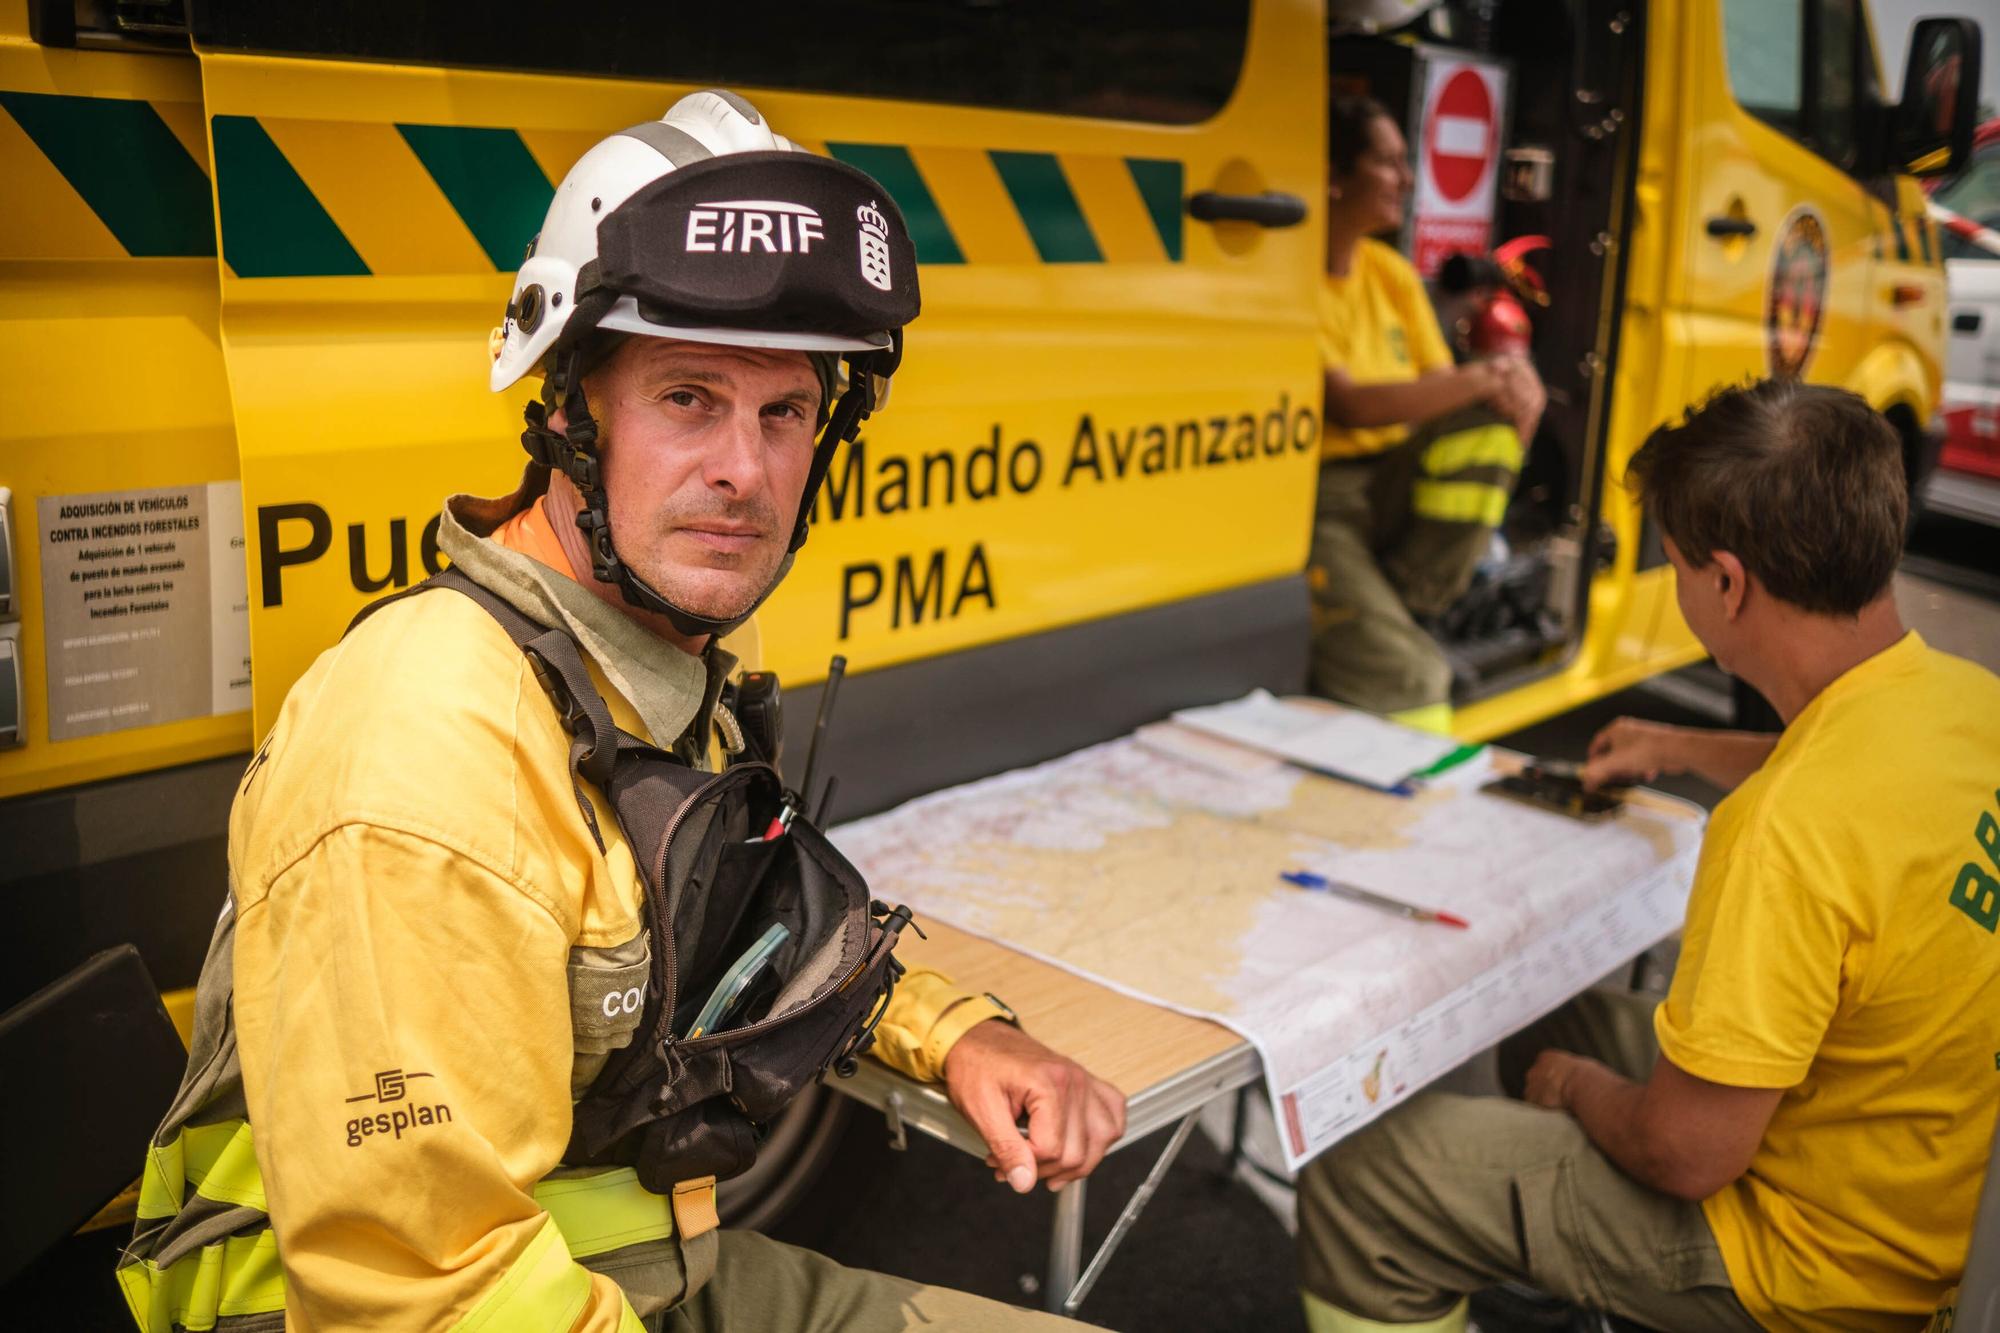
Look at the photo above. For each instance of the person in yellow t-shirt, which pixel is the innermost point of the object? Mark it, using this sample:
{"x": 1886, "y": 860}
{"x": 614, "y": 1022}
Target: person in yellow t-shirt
{"x": 1419, "y": 455}
{"x": 1797, "y": 1137}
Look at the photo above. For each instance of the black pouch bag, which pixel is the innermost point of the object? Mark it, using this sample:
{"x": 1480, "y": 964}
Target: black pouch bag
{"x": 677, "y": 1108}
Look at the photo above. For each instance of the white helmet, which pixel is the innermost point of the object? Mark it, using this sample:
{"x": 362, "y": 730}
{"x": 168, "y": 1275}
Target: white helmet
{"x": 707, "y": 226}
{"x": 700, "y": 127}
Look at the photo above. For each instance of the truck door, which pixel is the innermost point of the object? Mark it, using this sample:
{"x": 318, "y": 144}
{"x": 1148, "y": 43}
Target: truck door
{"x": 1107, "y": 403}
{"x": 1779, "y": 236}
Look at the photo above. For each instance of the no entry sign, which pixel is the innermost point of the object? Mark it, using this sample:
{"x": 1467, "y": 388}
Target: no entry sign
{"x": 1458, "y": 159}
{"x": 1462, "y": 136}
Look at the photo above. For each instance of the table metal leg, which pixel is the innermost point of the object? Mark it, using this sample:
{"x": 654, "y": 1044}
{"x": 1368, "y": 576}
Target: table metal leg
{"x": 1238, "y": 1130}
{"x": 1070, "y": 1297}
{"x": 1065, "y": 1247}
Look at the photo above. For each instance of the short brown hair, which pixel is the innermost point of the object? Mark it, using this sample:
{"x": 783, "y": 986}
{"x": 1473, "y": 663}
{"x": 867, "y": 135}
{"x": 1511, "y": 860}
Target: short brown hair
{"x": 1349, "y": 120}
{"x": 1801, "y": 482}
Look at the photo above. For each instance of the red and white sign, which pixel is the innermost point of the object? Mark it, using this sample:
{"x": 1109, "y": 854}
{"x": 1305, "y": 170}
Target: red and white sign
{"x": 1458, "y": 160}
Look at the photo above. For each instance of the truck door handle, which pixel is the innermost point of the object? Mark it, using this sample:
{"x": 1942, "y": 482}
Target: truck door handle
{"x": 1273, "y": 208}
{"x": 1731, "y": 226}
{"x": 1965, "y": 321}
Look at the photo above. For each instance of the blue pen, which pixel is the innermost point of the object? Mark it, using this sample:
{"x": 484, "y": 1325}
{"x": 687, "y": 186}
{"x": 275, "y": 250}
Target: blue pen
{"x": 1306, "y": 879}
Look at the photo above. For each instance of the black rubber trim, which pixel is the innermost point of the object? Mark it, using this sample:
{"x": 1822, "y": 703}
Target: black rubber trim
{"x": 905, "y": 730}
{"x": 139, "y": 860}
{"x": 92, "y": 1062}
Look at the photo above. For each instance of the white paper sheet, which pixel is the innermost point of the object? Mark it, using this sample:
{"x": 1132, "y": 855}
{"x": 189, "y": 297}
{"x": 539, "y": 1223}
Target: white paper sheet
{"x": 1339, "y": 741}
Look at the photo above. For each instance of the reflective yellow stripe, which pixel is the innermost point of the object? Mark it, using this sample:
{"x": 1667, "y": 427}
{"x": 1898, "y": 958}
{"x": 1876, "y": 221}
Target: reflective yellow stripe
{"x": 185, "y": 120}
{"x": 352, "y": 168}
{"x": 545, "y": 1288}
{"x": 603, "y": 1212}
{"x": 218, "y": 1160}
{"x": 555, "y": 152}
{"x": 161, "y": 1187}
{"x": 588, "y": 1215}
{"x": 222, "y": 1164}
{"x": 968, "y": 190}
{"x": 1459, "y": 502}
{"x": 1434, "y": 718}
{"x": 49, "y": 219}
{"x": 235, "y": 1275}
{"x": 1117, "y": 215}
{"x": 1494, "y": 445}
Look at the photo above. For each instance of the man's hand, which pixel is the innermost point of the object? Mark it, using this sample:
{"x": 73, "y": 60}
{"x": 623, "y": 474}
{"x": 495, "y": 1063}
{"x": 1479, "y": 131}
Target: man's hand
{"x": 997, "y": 1073}
{"x": 1630, "y": 751}
{"x": 1547, "y": 1084}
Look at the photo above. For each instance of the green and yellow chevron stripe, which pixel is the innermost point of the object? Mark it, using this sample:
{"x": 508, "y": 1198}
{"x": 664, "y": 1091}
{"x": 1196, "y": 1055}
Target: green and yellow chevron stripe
{"x": 302, "y": 198}
{"x": 103, "y": 178}
{"x": 115, "y": 177}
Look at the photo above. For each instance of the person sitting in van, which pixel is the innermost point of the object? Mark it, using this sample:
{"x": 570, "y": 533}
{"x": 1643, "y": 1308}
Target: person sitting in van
{"x": 1418, "y": 455}
{"x": 1793, "y": 1139}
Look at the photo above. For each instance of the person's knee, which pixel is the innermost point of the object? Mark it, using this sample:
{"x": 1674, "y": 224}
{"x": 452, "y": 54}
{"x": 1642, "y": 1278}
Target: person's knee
{"x": 1366, "y": 1206}
{"x": 1378, "y": 1168}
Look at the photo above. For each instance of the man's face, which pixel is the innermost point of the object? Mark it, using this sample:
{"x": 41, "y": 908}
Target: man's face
{"x": 706, "y": 454}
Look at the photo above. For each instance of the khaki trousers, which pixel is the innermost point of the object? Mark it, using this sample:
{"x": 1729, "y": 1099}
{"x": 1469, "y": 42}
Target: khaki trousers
{"x": 1397, "y": 533}
{"x": 1448, "y": 1195}
{"x": 762, "y": 1286}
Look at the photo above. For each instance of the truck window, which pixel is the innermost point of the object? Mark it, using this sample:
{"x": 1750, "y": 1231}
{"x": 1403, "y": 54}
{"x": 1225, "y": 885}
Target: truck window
{"x": 1803, "y": 68}
{"x": 1834, "y": 106}
{"x": 1973, "y": 193}
{"x": 1766, "y": 59}
{"x": 1114, "y": 59}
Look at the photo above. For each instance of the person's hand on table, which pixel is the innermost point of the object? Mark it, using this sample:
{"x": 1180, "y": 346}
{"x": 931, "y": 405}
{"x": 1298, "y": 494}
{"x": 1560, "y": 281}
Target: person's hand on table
{"x": 996, "y": 1073}
{"x": 1629, "y": 751}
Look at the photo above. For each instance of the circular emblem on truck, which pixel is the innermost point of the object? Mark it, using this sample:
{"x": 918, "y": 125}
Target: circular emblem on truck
{"x": 1795, "y": 307}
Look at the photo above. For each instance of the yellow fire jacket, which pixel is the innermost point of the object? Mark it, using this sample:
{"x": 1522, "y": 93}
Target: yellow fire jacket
{"x": 426, "y": 957}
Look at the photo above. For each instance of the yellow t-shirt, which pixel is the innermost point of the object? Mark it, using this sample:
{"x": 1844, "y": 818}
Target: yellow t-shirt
{"x": 1840, "y": 944}
{"x": 1377, "y": 325}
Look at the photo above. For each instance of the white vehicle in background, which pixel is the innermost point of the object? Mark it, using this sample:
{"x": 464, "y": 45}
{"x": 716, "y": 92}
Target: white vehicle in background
{"x": 1967, "y": 208}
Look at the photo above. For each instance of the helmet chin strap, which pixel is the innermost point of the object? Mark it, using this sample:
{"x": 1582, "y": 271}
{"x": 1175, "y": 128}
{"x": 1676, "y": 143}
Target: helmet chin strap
{"x": 575, "y": 452}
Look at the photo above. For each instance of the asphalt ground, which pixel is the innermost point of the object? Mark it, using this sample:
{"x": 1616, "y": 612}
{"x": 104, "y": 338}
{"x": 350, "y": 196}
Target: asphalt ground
{"x": 1213, "y": 1250}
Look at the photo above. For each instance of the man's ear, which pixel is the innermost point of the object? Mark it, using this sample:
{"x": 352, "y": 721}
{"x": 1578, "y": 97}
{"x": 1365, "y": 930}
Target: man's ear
{"x": 1733, "y": 582}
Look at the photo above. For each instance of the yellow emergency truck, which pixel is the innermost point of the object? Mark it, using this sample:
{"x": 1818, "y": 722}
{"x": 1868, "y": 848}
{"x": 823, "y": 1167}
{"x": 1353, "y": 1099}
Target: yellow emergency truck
{"x": 251, "y": 254}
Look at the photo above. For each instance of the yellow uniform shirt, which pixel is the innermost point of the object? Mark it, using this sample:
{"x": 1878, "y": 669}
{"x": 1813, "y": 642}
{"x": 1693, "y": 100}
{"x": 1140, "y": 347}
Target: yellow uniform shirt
{"x": 1837, "y": 947}
{"x": 415, "y": 885}
{"x": 1376, "y": 325}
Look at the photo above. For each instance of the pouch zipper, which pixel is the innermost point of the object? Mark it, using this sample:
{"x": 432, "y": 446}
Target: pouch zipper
{"x": 833, "y": 988}
{"x": 672, "y": 1002}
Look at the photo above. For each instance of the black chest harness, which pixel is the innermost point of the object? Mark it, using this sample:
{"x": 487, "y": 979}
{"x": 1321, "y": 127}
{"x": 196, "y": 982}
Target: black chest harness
{"x": 677, "y": 1103}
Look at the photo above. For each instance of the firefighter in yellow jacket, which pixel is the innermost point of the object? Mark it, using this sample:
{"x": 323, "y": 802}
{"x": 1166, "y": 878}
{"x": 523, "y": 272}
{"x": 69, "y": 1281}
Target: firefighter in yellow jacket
{"x": 436, "y": 937}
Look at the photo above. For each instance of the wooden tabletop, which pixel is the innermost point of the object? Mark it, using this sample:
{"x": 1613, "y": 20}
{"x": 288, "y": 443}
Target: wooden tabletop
{"x": 1132, "y": 1044}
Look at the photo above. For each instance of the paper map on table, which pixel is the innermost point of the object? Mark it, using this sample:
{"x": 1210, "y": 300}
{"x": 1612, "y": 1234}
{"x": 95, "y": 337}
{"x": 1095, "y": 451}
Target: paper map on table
{"x": 1136, "y": 866}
